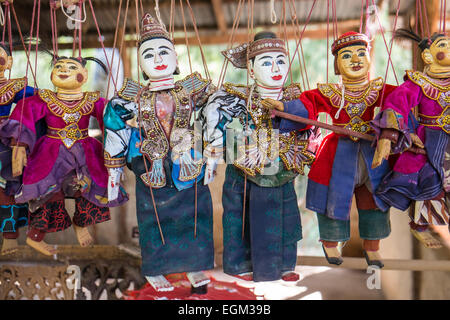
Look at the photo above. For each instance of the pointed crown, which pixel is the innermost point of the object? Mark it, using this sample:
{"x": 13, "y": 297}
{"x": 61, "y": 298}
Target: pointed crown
{"x": 151, "y": 28}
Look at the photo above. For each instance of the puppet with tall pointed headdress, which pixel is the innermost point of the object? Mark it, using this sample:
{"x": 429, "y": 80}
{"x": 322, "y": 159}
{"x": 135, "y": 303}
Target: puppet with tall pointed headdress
{"x": 173, "y": 207}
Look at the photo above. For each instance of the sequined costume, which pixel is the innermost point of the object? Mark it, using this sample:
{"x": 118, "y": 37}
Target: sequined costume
{"x": 164, "y": 152}
{"x": 278, "y": 150}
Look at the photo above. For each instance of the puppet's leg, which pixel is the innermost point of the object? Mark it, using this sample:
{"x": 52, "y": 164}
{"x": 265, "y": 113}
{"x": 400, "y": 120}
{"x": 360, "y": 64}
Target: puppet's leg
{"x": 50, "y": 217}
{"x": 87, "y": 213}
{"x": 332, "y": 232}
{"x": 419, "y": 225}
{"x": 10, "y": 244}
{"x": 159, "y": 283}
{"x": 237, "y": 259}
{"x": 199, "y": 281}
{"x": 12, "y": 217}
{"x": 374, "y": 225}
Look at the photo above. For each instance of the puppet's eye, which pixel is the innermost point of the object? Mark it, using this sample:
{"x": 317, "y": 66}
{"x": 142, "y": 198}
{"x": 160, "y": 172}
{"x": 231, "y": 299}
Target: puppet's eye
{"x": 148, "y": 56}
{"x": 266, "y": 64}
{"x": 346, "y": 56}
{"x": 281, "y": 61}
{"x": 362, "y": 54}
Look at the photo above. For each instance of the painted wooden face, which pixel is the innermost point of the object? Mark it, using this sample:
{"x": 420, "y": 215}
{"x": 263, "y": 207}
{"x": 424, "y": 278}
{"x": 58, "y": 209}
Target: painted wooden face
{"x": 5, "y": 60}
{"x": 69, "y": 74}
{"x": 270, "y": 69}
{"x": 353, "y": 62}
{"x": 158, "y": 58}
{"x": 437, "y": 57}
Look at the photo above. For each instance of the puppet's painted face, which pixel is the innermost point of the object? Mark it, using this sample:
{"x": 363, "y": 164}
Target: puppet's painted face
{"x": 353, "y": 62}
{"x": 158, "y": 58}
{"x": 69, "y": 74}
{"x": 270, "y": 69}
{"x": 5, "y": 60}
{"x": 437, "y": 57}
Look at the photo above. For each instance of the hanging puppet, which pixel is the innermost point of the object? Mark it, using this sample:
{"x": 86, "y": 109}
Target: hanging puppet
{"x": 174, "y": 208}
{"x": 261, "y": 219}
{"x": 12, "y": 215}
{"x": 419, "y": 177}
{"x": 343, "y": 166}
{"x": 66, "y": 162}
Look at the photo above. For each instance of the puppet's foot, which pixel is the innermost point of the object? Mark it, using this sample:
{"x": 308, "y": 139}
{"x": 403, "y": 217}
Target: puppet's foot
{"x": 42, "y": 247}
{"x": 159, "y": 283}
{"x": 332, "y": 255}
{"x": 247, "y": 276}
{"x": 427, "y": 239}
{"x": 290, "y": 276}
{"x": 373, "y": 258}
{"x": 9, "y": 246}
{"x": 198, "y": 279}
{"x": 84, "y": 237}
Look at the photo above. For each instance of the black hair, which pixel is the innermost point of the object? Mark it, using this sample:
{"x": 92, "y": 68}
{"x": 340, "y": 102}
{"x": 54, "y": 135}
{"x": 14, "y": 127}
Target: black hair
{"x": 177, "y": 70}
{"x": 81, "y": 60}
{"x": 263, "y": 35}
{"x": 409, "y": 34}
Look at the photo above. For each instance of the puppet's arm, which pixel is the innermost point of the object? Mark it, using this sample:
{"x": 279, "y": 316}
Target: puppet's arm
{"x": 216, "y": 116}
{"x": 117, "y": 136}
{"x": 391, "y": 124}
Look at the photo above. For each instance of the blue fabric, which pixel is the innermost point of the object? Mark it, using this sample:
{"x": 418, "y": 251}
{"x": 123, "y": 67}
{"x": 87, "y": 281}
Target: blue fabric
{"x": 373, "y": 225}
{"x": 272, "y": 228}
{"x": 181, "y": 185}
{"x": 335, "y": 200}
{"x": 398, "y": 189}
{"x": 13, "y": 217}
{"x": 182, "y": 252}
{"x": 297, "y": 108}
{"x": 6, "y": 108}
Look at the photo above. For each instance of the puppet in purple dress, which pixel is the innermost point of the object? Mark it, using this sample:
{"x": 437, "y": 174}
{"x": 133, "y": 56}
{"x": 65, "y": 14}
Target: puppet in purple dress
{"x": 417, "y": 177}
{"x": 66, "y": 162}
{"x": 12, "y": 215}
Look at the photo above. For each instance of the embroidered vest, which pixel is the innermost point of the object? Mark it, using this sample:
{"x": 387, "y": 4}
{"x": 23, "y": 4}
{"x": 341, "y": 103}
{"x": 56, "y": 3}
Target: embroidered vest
{"x": 70, "y": 114}
{"x": 356, "y": 103}
{"x": 155, "y": 147}
{"x": 437, "y": 90}
{"x": 264, "y": 145}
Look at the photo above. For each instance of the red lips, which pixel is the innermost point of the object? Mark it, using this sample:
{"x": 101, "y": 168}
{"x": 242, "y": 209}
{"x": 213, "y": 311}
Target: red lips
{"x": 278, "y": 77}
{"x": 356, "y": 68}
{"x": 161, "y": 67}
{"x": 63, "y": 76}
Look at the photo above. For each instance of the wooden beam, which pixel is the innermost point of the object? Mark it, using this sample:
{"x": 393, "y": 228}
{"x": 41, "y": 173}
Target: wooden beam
{"x": 219, "y": 15}
{"x": 389, "y": 264}
{"x": 313, "y": 31}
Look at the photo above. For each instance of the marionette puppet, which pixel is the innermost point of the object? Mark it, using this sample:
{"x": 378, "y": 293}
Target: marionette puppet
{"x": 343, "y": 165}
{"x": 264, "y": 154}
{"x": 66, "y": 162}
{"x": 12, "y": 215}
{"x": 419, "y": 177}
{"x": 151, "y": 129}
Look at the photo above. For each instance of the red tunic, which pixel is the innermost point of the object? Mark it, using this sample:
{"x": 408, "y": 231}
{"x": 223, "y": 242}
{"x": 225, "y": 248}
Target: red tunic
{"x": 358, "y": 110}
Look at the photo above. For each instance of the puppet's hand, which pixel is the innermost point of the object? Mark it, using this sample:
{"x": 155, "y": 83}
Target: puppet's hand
{"x": 210, "y": 170}
{"x": 19, "y": 160}
{"x": 272, "y": 104}
{"x": 114, "y": 175}
{"x": 382, "y": 152}
{"x": 416, "y": 141}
